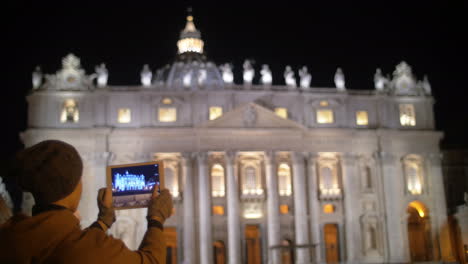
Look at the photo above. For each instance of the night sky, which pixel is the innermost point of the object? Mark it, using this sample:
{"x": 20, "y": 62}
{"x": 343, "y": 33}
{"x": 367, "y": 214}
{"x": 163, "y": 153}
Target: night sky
{"x": 323, "y": 35}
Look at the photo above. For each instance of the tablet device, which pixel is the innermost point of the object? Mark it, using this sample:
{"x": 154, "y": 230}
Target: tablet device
{"x": 132, "y": 184}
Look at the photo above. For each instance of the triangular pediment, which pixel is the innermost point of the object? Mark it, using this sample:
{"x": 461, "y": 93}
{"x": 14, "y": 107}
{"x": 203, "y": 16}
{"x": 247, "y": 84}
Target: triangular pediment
{"x": 251, "y": 115}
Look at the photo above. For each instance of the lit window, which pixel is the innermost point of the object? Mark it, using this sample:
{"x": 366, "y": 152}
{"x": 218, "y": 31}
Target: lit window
{"x": 362, "y": 118}
{"x": 323, "y": 103}
{"x": 414, "y": 174}
{"x": 284, "y": 180}
{"x": 328, "y": 184}
{"x": 218, "y": 210}
{"x": 251, "y": 182}
{"x": 70, "y": 113}
{"x": 329, "y": 209}
{"x": 171, "y": 181}
{"x": 167, "y": 101}
{"x": 284, "y": 209}
{"x": 215, "y": 112}
{"x": 407, "y": 115}
{"x": 124, "y": 115}
{"x": 281, "y": 112}
{"x": 324, "y": 116}
{"x": 217, "y": 179}
{"x": 167, "y": 114}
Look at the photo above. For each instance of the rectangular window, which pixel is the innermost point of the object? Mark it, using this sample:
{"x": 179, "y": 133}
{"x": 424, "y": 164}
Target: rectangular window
{"x": 362, "y": 118}
{"x": 218, "y": 210}
{"x": 281, "y": 112}
{"x": 284, "y": 209}
{"x": 324, "y": 116}
{"x": 70, "y": 113}
{"x": 215, "y": 112}
{"x": 407, "y": 115}
{"x": 124, "y": 115}
{"x": 167, "y": 114}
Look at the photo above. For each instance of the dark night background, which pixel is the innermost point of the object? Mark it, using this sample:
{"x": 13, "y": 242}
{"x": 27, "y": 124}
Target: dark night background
{"x": 357, "y": 36}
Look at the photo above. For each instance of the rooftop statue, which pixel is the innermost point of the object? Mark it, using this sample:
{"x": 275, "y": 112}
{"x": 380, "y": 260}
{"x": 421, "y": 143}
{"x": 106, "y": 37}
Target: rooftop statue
{"x": 426, "y": 85}
{"x": 380, "y": 82}
{"x": 187, "y": 80}
{"x": 266, "y": 78}
{"x": 305, "y": 78}
{"x": 201, "y": 76}
{"x": 226, "y": 71}
{"x": 102, "y": 75}
{"x": 340, "y": 80}
{"x": 146, "y": 75}
{"x": 37, "y": 78}
{"x": 289, "y": 78}
{"x": 249, "y": 72}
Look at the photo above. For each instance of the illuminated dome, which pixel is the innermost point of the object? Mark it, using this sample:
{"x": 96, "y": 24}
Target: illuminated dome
{"x": 191, "y": 70}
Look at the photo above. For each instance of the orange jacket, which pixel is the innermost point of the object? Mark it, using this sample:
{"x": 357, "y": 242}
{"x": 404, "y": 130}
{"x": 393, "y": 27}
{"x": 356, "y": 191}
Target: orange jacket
{"x": 55, "y": 237}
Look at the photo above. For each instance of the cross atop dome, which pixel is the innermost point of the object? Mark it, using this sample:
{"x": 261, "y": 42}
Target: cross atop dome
{"x": 190, "y": 38}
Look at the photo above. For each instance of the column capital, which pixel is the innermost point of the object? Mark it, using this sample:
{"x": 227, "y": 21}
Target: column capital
{"x": 349, "y": 158}
{"x": 230, "y": 156}
{"x": 202, "y": 156}
{"x": 297, "y": 157}
{"x": 186, "y": 158}
{"x": 311, "y": 156}
{"x": 270, "y": 156}
{"x": 385, "y": 156}
{"x": 437, "y": 157}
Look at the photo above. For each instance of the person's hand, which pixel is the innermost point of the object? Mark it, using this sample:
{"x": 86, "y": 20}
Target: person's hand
{"x": 106, "y": 207}
{"x": 160, "y": 206}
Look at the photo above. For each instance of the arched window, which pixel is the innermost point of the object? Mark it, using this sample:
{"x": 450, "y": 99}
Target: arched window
{"x": 217, "y": 180}
{"x": 70, "y": 113}
{"x": 414, "y": 174}
{"x": 328, "y": 183}
{"x": 251, "y": 181}
{"x": 284, "y": 179}
{"x": 171, "y": 181}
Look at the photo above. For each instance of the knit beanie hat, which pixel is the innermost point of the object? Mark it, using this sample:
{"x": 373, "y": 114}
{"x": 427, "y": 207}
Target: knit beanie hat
{"x": 50, "y": 170}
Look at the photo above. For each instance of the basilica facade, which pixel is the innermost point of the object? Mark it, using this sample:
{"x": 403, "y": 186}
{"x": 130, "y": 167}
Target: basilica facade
{"x": 259, "y": 173}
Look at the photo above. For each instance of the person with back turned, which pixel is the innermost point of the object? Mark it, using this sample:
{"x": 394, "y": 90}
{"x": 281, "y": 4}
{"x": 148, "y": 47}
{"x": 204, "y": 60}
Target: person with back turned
{"x": 51, "y": 171}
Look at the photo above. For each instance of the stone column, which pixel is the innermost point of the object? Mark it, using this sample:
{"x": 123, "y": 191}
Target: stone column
{"x": 204, "y": 193}
{"x": 274, "y": 252}
{"x": 351, "y": 207}
{"x": 396, "y": 222}
{"x": 234, "y": 253}
{"x": 314, "y": 205}
{"x": 189, "y": 211}
{"x": 300, "y": 210}
{"x": 435, "y": 180}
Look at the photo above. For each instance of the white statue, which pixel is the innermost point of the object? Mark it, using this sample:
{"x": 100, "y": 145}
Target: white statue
{"x": 102, "y": 75}
{"x": 379, "y": 80}
{"x": 201, "y": 76}
{"x": 146, "y": 75}
{"x": 306, "y": 78}
{"x": 37, "y": 78}
{"x": 289, "y": 78}
{"x": 249, "y": 72}
{"x": 340, "y": 80}
{"x": 426, "y": 85}
{"x": 187, "y": 79}
{"x": 228, "y": 76}
{"x": 266, "y": 78}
